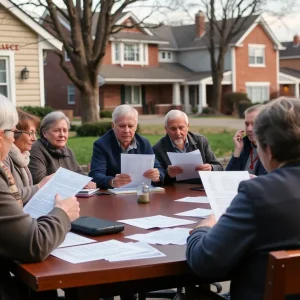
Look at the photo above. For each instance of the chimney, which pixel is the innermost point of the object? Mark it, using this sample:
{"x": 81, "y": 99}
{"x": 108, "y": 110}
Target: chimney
{"x": 296, "y": 40}
{"x": 200, "y": 24}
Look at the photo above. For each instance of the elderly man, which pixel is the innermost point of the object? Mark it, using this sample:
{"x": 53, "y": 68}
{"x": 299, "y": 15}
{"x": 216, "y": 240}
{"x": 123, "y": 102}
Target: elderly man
{"x": 122, "y": 138}
{"x": 179, "y": 139}
{"x": 245, "y": 156}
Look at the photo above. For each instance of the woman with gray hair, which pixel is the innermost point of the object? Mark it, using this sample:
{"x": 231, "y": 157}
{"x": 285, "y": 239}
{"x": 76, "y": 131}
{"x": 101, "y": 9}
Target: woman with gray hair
{"x": 50, "y": 151}
{"x": 263, "y": 217}
{"x": 23, "y": 238}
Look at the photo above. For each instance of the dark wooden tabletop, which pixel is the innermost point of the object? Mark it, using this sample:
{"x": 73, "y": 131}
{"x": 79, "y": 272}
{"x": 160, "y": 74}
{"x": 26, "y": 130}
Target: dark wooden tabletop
{"x": 54, "y": 273}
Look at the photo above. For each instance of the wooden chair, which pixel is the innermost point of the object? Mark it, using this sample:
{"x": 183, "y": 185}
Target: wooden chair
{"x": 283, "y": 275}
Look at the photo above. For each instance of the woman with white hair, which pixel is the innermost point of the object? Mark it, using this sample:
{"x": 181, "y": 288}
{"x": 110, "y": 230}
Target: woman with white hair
{"x": 23, "y": 238}
{"x": 50, "y": 151}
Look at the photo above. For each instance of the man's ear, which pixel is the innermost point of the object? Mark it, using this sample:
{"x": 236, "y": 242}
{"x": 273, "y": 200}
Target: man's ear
{"x": 112, "y": 125}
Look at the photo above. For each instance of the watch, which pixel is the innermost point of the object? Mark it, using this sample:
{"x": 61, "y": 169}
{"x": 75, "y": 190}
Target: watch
{"x": 112, "y": 182}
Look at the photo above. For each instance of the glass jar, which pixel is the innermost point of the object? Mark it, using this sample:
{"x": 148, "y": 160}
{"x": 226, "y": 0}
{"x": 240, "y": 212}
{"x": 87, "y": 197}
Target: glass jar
{"x": 143, "y": 193}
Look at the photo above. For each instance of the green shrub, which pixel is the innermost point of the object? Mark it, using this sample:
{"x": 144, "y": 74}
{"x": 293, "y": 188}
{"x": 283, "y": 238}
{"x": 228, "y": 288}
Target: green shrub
{"x": 242, "y": 106}
{"x": 73, "y": 127}
{"x": 105, "y": 114}
{"x": 37, "y": 110}
{"x": 233, "y": 99}
{"x": 93, "y": 129}
{"x": 208, "y": 111}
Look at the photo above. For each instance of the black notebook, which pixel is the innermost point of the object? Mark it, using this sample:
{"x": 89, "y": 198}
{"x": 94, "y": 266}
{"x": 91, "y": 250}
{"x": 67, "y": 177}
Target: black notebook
{"x": 94, "y": 226}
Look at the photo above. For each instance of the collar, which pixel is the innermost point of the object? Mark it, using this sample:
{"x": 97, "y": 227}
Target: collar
{"x": 178, "y": 150}
{"x": 132, "y": 145}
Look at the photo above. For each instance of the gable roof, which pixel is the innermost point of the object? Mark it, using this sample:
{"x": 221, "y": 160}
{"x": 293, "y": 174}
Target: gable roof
{"x": 290, "y": 72}
{"x": 290, "y": 51}
{"x": 31, "y": 23}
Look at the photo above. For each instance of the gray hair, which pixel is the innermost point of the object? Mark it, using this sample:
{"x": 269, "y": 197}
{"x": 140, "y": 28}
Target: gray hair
{"x": 124, "y": 110}
{"x": 174, "y": 114}
{"x": 8, "y": 114}
{"x": 51, "y": 118}
{"x": 278, "y": 126}
{"x": 257, "y": 107}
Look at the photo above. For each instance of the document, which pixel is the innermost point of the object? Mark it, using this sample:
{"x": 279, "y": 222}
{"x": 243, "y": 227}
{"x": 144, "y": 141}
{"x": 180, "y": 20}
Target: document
{"x": 136, "y": 165}
{"x": 221, "y": 187}
{"x": 196, "y": 213}
{"x": 157, "y": 221}
{"x": 174, "y": 236}
{"x": 200, "y": 199}
{"x": 133, "y": 190}
{"x": 187, "y": 162}
{"x": 64, "y": 182}
{"x": 73, "y": 239}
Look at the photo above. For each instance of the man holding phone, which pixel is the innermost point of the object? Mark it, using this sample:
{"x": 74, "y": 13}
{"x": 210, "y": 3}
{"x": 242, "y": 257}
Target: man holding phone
{"x": 245, "y": 156}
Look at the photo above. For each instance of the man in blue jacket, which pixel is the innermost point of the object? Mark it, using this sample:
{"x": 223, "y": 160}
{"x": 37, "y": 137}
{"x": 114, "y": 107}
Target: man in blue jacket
{"x": 245, "y": 156}
{"x": 122, "y": 138}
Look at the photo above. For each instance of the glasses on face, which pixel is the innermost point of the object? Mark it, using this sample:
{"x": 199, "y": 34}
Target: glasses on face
{"x": 16, "y": 131}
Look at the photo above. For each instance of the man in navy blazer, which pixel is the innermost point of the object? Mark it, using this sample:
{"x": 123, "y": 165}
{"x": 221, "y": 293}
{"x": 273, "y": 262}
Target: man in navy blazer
{"x": 245, "y": 156}
{"x": 122, "y": 138}
{"x": 263, "y": 217}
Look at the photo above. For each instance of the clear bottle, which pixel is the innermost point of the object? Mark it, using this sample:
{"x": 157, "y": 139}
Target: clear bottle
{"x": 143, "y": 193}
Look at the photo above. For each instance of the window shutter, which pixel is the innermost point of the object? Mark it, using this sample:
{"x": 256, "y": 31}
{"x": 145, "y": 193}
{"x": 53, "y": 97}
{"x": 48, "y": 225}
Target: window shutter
{"x": 122, "y": 94}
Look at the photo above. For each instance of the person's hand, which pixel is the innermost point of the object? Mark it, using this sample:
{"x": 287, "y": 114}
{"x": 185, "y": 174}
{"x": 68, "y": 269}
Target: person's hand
{"x": 69, "y": 205}
{"x": 90, "y": 185}
{"x": 205, "y": 167}
{"x": 173, "y": 171}
{"x": 121, "y": 179}
{"x": 152, "y": 174}
{"x": 252, "y": 176}
{"x": 238, "y": 142}
{"x": 209, "y": 221}
{"x": 44, "y": 181}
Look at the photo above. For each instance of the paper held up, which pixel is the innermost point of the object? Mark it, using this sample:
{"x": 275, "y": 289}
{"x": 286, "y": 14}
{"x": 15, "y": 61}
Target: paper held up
{"x": 187, "y": 162}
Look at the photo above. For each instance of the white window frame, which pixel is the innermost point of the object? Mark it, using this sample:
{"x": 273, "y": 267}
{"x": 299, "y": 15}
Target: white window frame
{"x": 257, "y": 47}
{"x": 71, "y": 94}
{"x": 166, "y": 54}
{"x": 261, "y": 85}
{"x": 132, "y": 95}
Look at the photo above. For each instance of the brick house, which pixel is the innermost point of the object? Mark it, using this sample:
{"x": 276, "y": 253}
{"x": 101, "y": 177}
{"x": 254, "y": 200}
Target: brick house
{"x": 169, "y": 67}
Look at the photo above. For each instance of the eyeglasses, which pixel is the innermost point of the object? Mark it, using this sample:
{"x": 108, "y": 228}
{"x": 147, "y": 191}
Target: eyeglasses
{"x": 16, "y": 131}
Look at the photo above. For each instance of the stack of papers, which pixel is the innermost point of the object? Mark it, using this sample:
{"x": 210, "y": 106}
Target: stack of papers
{"x": 201, "y": 199}
{"x": 86, "y": 192}
{"x": 73, "y": 239}
{"x": 196, "y": 213}
{"x": 174, "y": 236}
{"x": 156, "y": 222}
{"x": 133, "y": 190}
{"x": 111, "y": 250}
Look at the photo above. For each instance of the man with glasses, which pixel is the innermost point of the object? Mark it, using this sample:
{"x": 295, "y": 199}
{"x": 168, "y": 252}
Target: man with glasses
{"x": 179, "y": 139}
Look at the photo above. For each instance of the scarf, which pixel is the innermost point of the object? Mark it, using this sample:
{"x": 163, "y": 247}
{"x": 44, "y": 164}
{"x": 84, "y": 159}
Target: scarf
{"x": 11, "y": 184}
{"x": 57, "y": 153}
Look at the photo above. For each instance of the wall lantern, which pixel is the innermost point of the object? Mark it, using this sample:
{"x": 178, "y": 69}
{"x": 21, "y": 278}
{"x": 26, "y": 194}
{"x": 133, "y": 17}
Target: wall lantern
{"x": 25, "y": 73}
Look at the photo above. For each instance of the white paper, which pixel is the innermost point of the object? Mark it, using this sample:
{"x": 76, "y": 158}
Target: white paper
{"x": 187, "y": 162}
{"x": 136, "y": 165}
{"x": 73, "y": 239}
{"x": 157, "y": 221}
{"x": 221, "y": 187}
{"x": 133, "y": 190}
{"x": 174, "y": 236}
{"x": 196, "y": 213}
{"x": 64, "y": 182}
{"x": 200, "y": 199}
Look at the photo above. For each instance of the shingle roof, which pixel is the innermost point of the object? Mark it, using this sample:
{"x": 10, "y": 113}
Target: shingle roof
{"x": 138, "y": 36}
{"x": 291, "y": 72}
{"x": 291, "y": 50}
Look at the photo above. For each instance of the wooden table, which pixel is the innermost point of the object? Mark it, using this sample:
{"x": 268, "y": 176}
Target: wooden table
{"x": 92, "y": 279}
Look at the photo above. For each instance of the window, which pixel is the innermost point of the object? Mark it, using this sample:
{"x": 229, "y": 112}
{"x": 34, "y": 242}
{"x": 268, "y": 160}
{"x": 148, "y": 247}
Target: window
{"x": 169, "y": 55}
{"x": 258, "y": 93}
{"x": 4, "y": 76}
{"x": 133, "y": 95}
{"x": 256, "y": 55}
{"x": 117, "y": 51}
{"x": 71, "y": 94}
{"x": 163, "y": 55}
{"x": 166, "y": 56}
{"x": 131, "y": 52}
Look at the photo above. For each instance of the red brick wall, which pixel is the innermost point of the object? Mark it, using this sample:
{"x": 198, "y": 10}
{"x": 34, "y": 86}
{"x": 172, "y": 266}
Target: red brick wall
{"x": 244, "y": 73}
{"x": 290, "y": 63}
{"x": 111, "y": 96}
{"x": 153, "y": 55}
{"x": 107, "y": 59}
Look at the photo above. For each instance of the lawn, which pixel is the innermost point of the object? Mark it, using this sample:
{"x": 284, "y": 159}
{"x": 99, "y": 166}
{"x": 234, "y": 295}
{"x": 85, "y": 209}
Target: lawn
{"x": 220, "y": 142}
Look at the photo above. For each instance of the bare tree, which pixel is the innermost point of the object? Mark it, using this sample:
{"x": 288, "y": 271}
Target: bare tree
{"x": 85, "y": 46}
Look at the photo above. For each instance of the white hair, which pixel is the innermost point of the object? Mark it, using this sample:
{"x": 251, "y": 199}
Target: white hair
{"x": 124, "y": 110}
{"x": 174, "y": 114}
{"x": 8, "y": 114}
{"x": 52, "y": 118}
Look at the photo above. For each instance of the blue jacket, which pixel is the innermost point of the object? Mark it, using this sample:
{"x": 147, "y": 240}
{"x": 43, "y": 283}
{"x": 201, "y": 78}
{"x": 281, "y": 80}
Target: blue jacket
{"x": 106, "y": 159}
{"x": 263, "y": 217}
{"x": 239, "y": 163}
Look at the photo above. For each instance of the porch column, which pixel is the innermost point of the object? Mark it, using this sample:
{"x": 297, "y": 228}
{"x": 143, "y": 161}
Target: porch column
{"x": 297, "y": 90}
{"x": 202, "y": 97}
{"x": 187, "y": 106}
{"x": 176, "y": 94}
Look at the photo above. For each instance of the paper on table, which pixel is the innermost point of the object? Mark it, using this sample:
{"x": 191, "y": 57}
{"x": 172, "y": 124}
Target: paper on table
{"x": 187, "y": 162}
{"x": 157, "y": 221}
{"x": 73, "y": 239}
{"x": 133, "y": 190}
{"x": 200, "y": 199}
{"x": 197, "y": 213}
{"x": 64, "y": 182}
{"x": 221, "y": 188}
{"x": 136, "y": 165}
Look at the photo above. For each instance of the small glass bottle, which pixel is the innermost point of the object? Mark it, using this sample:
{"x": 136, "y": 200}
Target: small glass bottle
{"x": 143, "y": 193}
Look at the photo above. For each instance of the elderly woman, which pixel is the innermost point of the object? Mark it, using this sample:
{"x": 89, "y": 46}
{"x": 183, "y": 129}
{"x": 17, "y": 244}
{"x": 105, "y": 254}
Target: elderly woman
{"x": 50, "y": 151}
{"x": 263, "y": 217}
{"x": 22, "y": 238}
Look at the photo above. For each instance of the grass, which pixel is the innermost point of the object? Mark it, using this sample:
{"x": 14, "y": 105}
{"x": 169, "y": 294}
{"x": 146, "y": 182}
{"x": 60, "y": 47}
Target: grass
{"x": 220, "y": 141}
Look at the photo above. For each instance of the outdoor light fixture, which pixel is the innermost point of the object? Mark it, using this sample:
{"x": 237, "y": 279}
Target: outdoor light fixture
{"x": 25, "y": 73}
